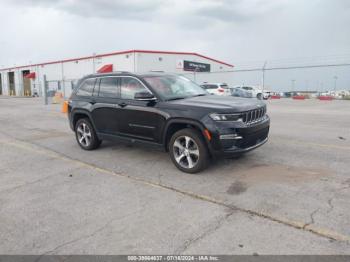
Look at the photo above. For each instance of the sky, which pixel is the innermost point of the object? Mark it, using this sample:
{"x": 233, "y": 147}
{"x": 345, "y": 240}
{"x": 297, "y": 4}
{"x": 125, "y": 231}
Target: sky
{"x": 241, "y": 32}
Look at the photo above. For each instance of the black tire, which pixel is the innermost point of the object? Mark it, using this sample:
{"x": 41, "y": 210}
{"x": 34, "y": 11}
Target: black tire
{"x": 259, "y": 96}
{"x": 91, "y": 142}
{"x": 190, "y": 149}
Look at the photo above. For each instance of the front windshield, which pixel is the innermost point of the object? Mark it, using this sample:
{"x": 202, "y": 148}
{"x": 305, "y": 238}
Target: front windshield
{"x": 171, "y": 87}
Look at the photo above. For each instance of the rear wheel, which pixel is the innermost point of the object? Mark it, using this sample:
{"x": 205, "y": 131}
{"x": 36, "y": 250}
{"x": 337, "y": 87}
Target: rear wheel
{"x": 86, "y": 135}
{"x": 188, "y": 151}
{"x": 259, "y": 96}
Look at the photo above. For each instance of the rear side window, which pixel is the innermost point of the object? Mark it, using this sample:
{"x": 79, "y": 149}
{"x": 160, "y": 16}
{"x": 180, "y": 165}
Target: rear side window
{"x": 109, "y": 87}
{"x": 87, "y": 88}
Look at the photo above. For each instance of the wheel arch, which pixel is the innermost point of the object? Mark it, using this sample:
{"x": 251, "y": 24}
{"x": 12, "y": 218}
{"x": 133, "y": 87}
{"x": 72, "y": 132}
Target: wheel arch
{"x": 79, "y": 114}
{"x": 175, "y": 125}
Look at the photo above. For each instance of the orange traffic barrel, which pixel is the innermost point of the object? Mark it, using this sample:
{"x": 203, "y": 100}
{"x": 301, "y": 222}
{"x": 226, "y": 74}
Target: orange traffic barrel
{"x": 65, "y": 107}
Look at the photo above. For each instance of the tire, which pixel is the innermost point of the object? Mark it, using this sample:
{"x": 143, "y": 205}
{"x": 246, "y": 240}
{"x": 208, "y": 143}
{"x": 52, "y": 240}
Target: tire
{"x": 259, "y": 96}
{"x": 85, "y": 135}
{"x": 188, "y": 151}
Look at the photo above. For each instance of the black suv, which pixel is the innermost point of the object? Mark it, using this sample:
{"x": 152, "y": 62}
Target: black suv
{"x": 168, "y": 111}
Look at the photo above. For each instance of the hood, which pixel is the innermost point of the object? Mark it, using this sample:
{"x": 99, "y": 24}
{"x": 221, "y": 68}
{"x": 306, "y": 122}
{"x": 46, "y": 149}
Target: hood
{"x": 226, "y": 104}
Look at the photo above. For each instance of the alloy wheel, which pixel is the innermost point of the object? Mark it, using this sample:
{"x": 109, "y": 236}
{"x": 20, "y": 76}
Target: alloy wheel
{"x": 186, "y": 152}
{"x": 84, "y": 134}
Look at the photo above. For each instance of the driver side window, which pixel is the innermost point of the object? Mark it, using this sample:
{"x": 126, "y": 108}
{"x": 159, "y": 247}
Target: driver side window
{"x": 129, "y": 87}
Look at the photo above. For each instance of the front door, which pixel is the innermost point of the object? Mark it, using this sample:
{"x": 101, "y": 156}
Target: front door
{"x": 138, "y": 119}
{"x": 104, "y": 110}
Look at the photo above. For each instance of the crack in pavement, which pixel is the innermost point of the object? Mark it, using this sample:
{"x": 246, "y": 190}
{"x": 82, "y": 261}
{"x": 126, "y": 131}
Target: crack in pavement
{"x": 210, "y": 229}
{"x": 9, "y": 190}
{"x": 313, "y": 213}
{"x": 331, "y": 207}
{"x": 322, "y": 232}
{"x": 86, "y": 236}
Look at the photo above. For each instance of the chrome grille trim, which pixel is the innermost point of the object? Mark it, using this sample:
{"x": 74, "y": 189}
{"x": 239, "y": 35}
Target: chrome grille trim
{"x": 254, "y": 116}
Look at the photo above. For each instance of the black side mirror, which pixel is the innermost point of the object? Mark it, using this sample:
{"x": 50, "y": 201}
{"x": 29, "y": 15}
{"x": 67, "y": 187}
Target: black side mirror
{"x": 144, "y": 95}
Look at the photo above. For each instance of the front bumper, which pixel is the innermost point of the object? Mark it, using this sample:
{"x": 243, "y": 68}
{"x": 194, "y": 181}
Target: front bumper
{"x": 230, "y": 139}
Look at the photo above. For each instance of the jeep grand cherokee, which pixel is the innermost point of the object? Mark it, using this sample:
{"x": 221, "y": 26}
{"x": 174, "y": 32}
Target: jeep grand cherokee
{"x": 167, "y": 111}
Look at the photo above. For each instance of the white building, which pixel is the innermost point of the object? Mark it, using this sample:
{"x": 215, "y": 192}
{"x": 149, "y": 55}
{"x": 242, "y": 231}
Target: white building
{"x": 27, "y": 80}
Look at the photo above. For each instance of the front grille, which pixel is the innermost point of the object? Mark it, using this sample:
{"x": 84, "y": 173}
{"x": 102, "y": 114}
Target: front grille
{"x": 254, "y": 116}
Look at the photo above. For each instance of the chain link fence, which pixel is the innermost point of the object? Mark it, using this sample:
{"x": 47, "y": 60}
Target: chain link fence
{"x": 309, "y": 80}
{"x": 56, "y": 91}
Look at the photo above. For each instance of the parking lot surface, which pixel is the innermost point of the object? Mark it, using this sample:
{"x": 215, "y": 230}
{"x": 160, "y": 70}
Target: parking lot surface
{"x": 290, "y": 196}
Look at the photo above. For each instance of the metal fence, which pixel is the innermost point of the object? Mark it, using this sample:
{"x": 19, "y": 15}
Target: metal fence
{"x": 55, "y": 91}
{"x": 332, "y": 78}
{"x": 315, "y": 77}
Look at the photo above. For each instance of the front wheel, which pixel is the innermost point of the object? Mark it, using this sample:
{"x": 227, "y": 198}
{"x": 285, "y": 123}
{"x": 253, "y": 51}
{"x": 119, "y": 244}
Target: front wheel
{"x": 259, "y": 96}
{"x": 188, "y": 151}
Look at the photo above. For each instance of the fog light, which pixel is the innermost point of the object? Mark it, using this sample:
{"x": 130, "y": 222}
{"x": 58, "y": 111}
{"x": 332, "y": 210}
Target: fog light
{"x": 230, "y": 136}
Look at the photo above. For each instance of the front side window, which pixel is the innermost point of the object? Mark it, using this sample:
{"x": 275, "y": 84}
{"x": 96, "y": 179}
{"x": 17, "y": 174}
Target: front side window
{"x": 109, "y": 87}
{"x": 129, "y": 87}
{"x": 170, "y": 87}
{"x": 87, "y": 88}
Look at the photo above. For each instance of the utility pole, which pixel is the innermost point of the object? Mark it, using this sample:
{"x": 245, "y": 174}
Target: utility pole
{"x": 335, "y": 83}
{"x": 293, "y": 84}
{"x": 263, "y": 76}
{"x": 93, "y": 62}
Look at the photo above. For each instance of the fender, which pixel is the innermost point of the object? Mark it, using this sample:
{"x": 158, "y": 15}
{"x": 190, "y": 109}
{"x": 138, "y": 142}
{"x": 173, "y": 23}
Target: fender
{"x": 81, "y": 111}
{"x": 179, "y": 121}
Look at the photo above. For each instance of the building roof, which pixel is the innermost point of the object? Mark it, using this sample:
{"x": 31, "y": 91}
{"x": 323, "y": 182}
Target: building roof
{"x": 120, "y": 53}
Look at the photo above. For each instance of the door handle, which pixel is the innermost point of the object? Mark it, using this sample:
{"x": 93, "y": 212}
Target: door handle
{"x": 123, "y": 104}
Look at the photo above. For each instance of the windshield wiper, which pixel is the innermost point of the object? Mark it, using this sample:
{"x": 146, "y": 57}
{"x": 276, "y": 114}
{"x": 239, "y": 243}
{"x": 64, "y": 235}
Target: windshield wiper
{"x": 200, "y": 95}
{"x": 176, "y": 98}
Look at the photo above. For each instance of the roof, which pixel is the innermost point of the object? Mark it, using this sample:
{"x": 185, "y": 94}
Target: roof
{"x": 120, "y": 53}
{"x": 127, "y": 73}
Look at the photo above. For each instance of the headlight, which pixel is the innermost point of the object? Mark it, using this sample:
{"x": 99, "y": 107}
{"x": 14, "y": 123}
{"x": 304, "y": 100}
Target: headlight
{"x": 225, "y": 117}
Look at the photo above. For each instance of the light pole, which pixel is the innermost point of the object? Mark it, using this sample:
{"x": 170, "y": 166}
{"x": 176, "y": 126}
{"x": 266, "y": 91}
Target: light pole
{"x": 335, "y": 83}
{"x": 293, "y": 83}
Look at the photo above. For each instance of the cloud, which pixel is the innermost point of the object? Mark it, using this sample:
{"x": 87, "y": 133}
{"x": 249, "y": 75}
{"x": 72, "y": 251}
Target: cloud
{"x": 131, "y": 9}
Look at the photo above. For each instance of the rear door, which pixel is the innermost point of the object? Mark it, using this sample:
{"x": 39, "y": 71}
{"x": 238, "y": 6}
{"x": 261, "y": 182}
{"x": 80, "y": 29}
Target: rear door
{"x": 106, "y": 99}
{"x": 138, "y": 119}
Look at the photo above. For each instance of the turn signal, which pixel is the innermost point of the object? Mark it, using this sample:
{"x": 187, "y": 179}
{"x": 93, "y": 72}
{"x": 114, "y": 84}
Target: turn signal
{"x": 207, "y": 134}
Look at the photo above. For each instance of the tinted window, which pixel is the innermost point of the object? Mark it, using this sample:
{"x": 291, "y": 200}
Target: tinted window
{"x": 224, "y": 86}
{"x": 109, "y": 87}
{"x": 130, "y": 86}
{"x": 87, "y": 88}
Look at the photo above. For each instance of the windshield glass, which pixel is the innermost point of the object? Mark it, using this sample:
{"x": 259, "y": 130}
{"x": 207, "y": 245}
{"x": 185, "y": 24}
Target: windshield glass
{"x": 170, "y": 87}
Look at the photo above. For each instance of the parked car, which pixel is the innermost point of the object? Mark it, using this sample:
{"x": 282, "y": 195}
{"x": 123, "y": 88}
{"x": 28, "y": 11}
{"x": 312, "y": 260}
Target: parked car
{"x": 166, "y": 111}
{"x": 239, "y": 92}
{"x": 221, "y": 89}
{"x": 255, "y": 92}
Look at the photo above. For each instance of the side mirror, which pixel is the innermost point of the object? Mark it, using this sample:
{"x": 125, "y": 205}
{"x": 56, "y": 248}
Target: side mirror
{"x": 144, "y": 96}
